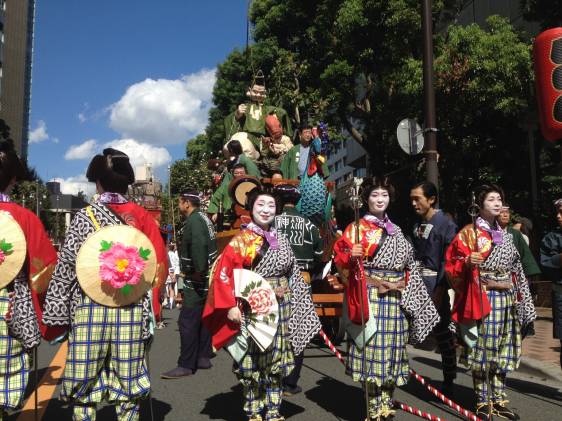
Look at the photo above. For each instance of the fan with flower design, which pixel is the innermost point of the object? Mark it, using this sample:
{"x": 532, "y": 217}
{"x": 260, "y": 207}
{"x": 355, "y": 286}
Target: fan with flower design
{"x": 260, "y": 296}
{"x": 116, "y": 265}
{"x": 13, "y": 248}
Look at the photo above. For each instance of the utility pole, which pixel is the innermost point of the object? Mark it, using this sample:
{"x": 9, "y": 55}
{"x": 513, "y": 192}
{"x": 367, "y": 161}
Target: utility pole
{"x": 37, "y": 197}
{"x": 430, "y": 131}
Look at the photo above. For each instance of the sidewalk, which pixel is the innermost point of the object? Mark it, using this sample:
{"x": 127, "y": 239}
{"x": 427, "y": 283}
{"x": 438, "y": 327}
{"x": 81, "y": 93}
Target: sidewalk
{"x": 542, "y": 352}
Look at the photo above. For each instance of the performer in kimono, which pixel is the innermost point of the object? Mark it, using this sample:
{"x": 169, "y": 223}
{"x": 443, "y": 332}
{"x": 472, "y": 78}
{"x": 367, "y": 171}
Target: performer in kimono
{"x": 490, "y": 319}
{"x": 305, "y": 241}
{"x": 261, "y": 249}
{"x": 432, "y": 235}
{"x": 106, "y": 345}
{"x": 221, "y": 199}
{"x": 380, "y": 272}
{"x": 551, "y": 261}
{"x": 198, "y": 251}
{"x": 27, "y": 260}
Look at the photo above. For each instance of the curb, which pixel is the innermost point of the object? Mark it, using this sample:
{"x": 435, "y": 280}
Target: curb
{"x": 541, "y": 369}
{"x": 528, "y": 365}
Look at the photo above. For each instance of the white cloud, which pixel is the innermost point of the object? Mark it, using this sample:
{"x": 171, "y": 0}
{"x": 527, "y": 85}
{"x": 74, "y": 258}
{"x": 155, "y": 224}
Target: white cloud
{"x": 84, "y": 150}
{"x": 164, "y": 111}
{"x": 141, "y": 153}
{"x": 55, "y": 140}
{"x": 73, "y": 185}
{"x": 39, "y": 134}
{"x": 82, "y": 117}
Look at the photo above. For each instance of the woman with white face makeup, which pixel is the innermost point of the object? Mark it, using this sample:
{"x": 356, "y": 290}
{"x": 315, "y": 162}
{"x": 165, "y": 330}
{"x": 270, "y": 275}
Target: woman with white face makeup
{"x": 260, "y": 248}
{"x": 485, "y": 255}
{"x": 397, "y": 307}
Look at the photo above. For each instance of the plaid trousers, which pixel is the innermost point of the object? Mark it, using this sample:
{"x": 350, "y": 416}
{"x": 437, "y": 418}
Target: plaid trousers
{"x": 14, "y": 362}
{"x": 386, "y": 357}
{"x": 499, "y": 334}
{"x": 106, "y": 356}
{"x": 261, "y": 373}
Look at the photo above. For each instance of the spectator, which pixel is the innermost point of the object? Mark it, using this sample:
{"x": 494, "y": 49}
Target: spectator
{"x": 551, "y": 261}
{"x": 173, "y": 273}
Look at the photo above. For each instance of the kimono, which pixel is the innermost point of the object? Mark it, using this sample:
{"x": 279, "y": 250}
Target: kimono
{"x": 23, "y": 332}
{"x": 397, "y": 312}
{"x": 497, "y": 313}
{"x": 106, "y": 345}
{"x": 261, "y": 372}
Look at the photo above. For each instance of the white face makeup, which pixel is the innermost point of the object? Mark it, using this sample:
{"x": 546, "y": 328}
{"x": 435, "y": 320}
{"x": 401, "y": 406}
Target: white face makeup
{"x": 378, "y": 202}
{"x": 263, "y": 211}
{"x": 492, "y": 206}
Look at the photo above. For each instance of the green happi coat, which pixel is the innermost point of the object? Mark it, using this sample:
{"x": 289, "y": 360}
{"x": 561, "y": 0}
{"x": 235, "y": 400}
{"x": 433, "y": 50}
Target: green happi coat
{"x": 221, "y": 193}
{"x": 198, "y": 250}
{"x": 290, "y": 164}
{"x": 303, "y": 236}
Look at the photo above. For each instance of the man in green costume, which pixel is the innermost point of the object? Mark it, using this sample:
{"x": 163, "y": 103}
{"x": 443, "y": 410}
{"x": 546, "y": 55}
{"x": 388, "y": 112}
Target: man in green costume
{"x": 220, "y": 197}
{"x": 295, "y": 162}
{"x": 198, "y": 251}
{"x": 250, "y": 117}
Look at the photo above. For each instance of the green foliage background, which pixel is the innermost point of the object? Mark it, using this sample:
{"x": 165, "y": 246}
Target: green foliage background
{"x": 357, "y": 65}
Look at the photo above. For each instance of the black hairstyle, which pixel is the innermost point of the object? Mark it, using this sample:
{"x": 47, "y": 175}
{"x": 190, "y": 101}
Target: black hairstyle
{"x": 239, "y": 165}
{"x": 305, "y": 124}
{"x": 526, "y": 225}
{"x": 113, "y": 171}
{"x": 11, "y": 166}
{"x": 234, "y": 147}
{"x": 288, "y": 193}
{"x": 191, "y": 196}
{"x": 483, "y": 190}
{"x": 256, "y": 192}
{"x": 429, "y": 190}
{"x": 377, "y": 182}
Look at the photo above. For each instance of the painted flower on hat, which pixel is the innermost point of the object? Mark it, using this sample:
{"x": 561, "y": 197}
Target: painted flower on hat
{"x": 5, "y": 249}
{"x": 122, "y": 266}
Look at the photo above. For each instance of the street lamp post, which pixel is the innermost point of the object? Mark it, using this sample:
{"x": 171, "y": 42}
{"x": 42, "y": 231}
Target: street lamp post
{"x": 430, "y": 130}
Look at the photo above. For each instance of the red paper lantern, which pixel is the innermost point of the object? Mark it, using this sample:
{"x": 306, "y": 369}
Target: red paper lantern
{"x": 547, "y": 57}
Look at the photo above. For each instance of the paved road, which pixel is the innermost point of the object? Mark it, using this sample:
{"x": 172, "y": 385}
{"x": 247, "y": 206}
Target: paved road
{"x": 328, "y": 393}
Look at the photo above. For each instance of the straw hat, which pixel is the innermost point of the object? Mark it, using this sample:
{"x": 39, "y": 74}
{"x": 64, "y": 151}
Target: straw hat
{"x": 13, "y": 249}
{"x": 89, "y": 264}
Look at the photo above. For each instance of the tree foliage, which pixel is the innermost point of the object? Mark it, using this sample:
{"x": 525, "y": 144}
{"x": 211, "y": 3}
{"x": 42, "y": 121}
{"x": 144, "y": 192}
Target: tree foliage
{"x": 357, "y": 64}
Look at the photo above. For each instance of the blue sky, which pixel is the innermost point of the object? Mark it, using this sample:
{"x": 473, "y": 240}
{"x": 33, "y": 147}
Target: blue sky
{"x": 136, "y": 75}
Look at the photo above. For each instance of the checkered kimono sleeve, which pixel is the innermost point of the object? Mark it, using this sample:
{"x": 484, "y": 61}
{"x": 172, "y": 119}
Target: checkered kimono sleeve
{"x": 416, "y": 302}
{"x": 64, "y": 284}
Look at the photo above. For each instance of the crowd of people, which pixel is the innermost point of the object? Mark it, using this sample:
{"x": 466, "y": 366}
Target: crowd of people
{"x": 470, "y": 288}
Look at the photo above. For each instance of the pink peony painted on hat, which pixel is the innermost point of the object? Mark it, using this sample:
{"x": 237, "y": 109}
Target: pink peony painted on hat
{"x": 122, "y": 266}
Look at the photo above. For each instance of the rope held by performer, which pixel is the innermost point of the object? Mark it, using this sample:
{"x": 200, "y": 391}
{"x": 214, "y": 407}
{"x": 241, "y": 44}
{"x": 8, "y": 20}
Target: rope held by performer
{"x": 466, "y": 413}
{"x": 416, "y": 411}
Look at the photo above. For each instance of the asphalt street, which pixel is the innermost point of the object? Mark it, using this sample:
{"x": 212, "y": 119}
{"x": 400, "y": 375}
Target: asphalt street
{"x": 328, "y": 394}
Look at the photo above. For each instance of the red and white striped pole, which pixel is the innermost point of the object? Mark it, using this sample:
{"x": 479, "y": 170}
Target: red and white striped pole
{"x": 465, "y": 412}
{"x": 417, "y": 412}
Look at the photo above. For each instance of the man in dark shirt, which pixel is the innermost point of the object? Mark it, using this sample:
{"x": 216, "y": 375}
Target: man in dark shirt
{"x": 198, "y": 251}
{"x": 306, "y": 244}
{"x": 551, "y": 261}
{"x": 432, "y": 235}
